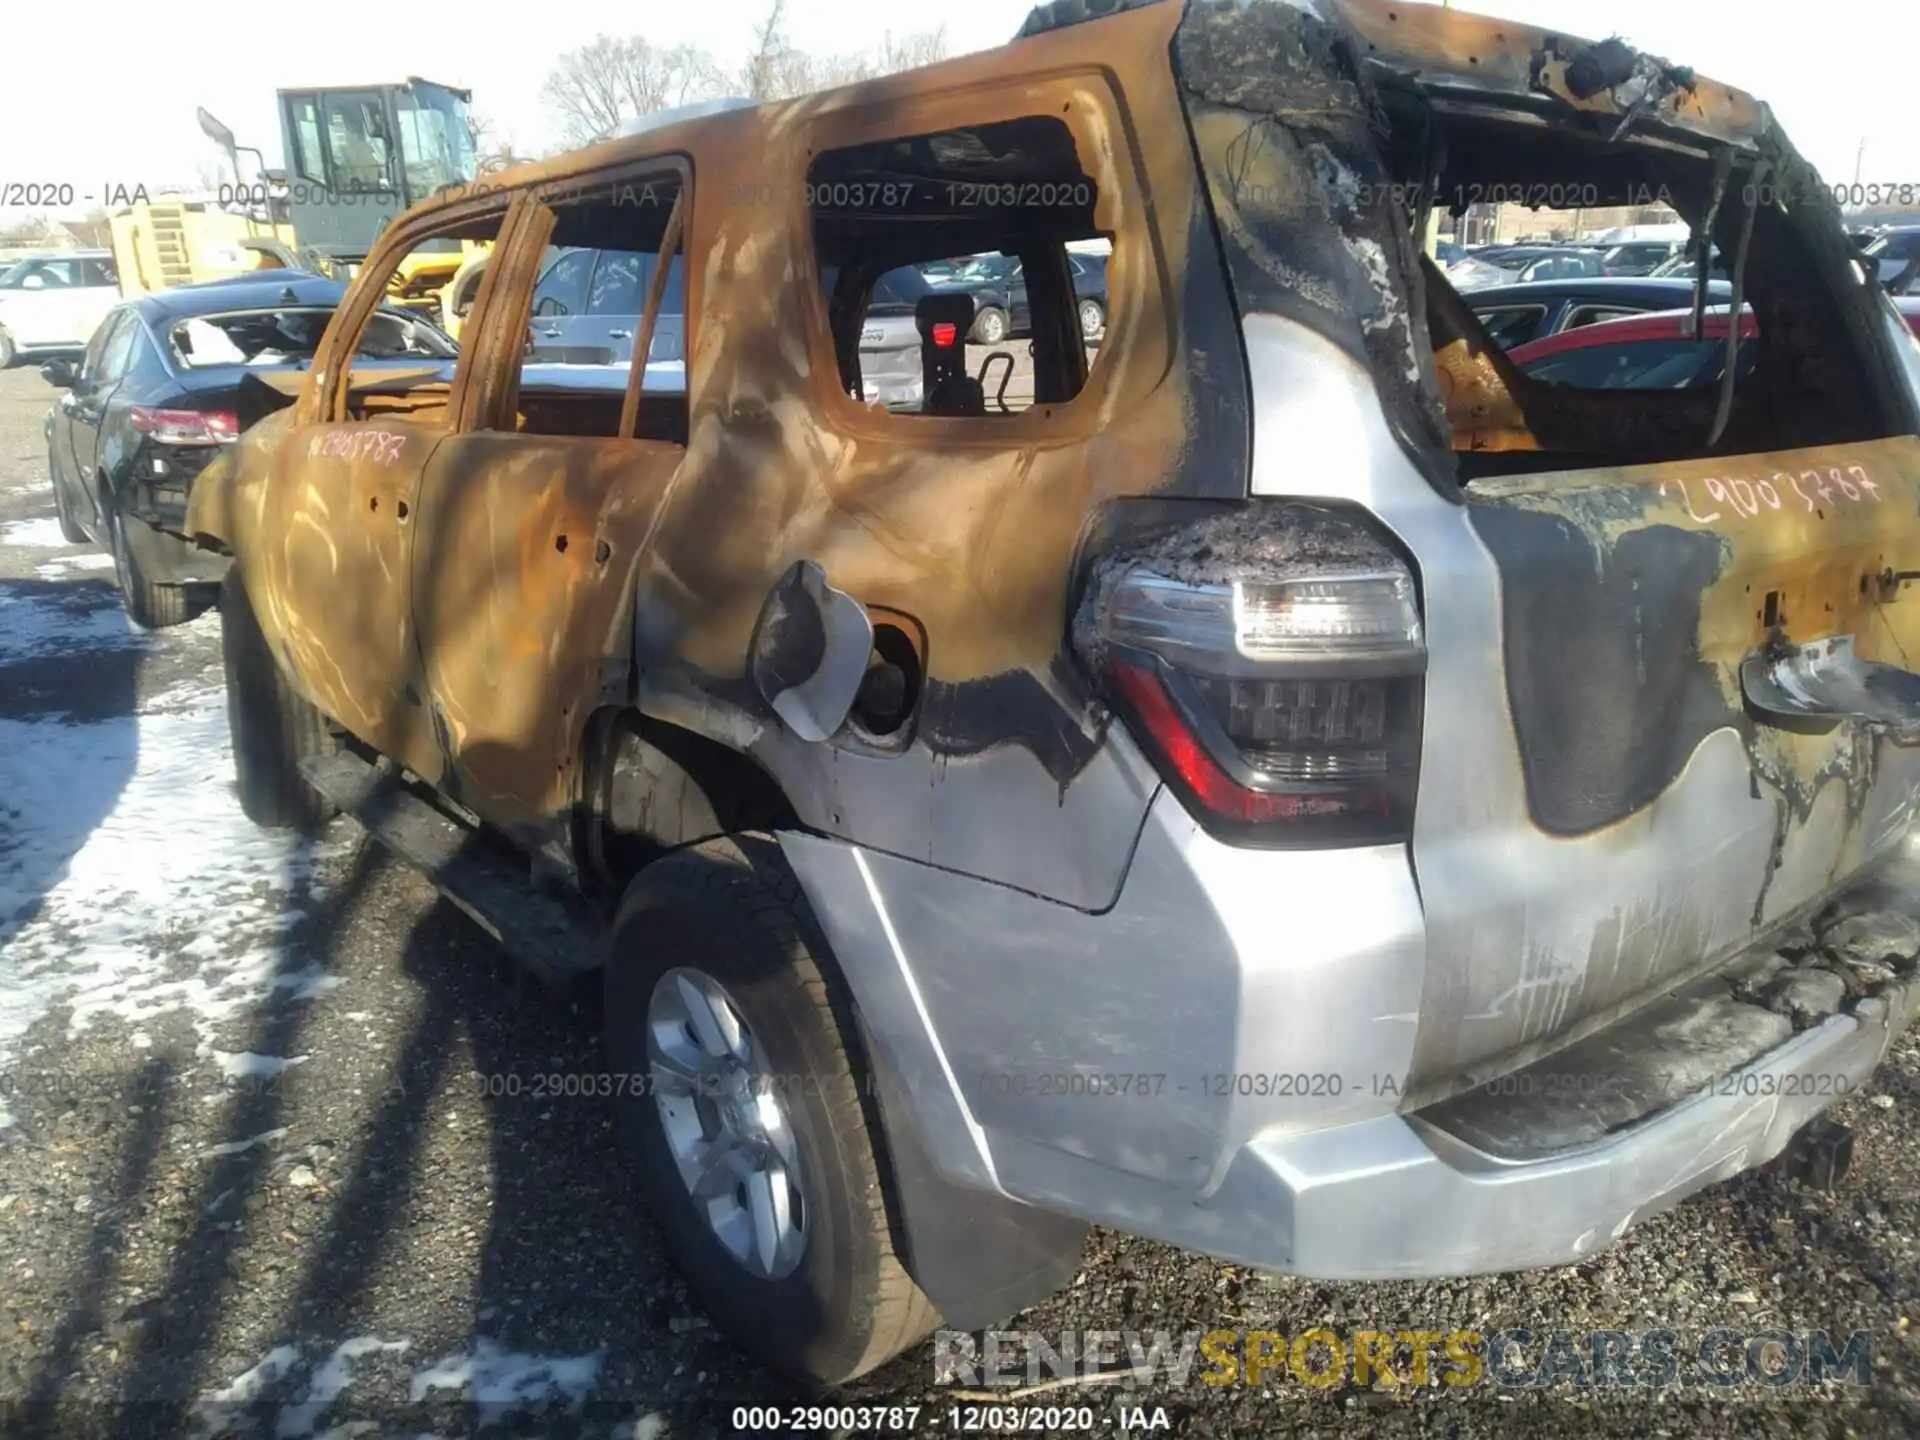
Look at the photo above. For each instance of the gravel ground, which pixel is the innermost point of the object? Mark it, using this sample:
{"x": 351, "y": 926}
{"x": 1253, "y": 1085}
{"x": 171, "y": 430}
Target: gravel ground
{"x": 251, "y": 1181}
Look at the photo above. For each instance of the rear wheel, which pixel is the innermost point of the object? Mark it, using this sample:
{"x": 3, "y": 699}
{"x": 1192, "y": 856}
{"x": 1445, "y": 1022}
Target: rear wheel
{"x": 1092, "y": 319}
{"x": 990, "y": 326}
{"x": 272, "y": 727}
{"x": 8, "y": 351}
{"x": 149, "y": 605}
{"x": 763, "y": 1165}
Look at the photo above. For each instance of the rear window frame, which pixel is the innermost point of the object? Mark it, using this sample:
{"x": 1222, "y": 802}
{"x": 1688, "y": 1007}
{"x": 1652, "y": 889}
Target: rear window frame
{"x": 325, "y": 398}
{"x": 1106, "y": 156}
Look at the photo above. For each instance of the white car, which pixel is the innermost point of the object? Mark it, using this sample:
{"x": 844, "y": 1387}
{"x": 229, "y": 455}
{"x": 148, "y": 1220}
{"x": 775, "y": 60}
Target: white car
{"x": 55, "y": 302}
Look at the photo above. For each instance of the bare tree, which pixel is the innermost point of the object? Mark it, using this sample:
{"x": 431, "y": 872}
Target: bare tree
{"x": 94, "y": 230}
{"x": 910, "y": 52}
{"x": 481, "y": 131}
{"x": 493, "y": 151}
{"x": 777, "y": 70}
{"x": 774, "y": 69}
{"x": 609, "y": 80}
{"x": 28, "y": 231}
{"x": 593, "y": 89}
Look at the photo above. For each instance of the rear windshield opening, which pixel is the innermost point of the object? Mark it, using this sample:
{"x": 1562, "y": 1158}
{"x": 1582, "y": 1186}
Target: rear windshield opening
{"x": 1564, "y": 347}
{"x": 986, "y": 234}
{"x": 289, "y": 337}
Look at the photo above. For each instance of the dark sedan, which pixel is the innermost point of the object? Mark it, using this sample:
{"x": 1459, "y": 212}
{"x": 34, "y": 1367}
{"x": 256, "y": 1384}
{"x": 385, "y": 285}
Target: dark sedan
{"x": 999, "y": 289}
{"x": 1517, "y": 314}
{"x": 154, "y": 398}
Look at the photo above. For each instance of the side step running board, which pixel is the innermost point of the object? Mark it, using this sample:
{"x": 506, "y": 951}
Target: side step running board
{"x": 557, "y": 938}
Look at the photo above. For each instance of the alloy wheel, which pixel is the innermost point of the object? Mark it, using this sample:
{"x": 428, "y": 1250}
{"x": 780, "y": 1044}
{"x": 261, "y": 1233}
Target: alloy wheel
{"x": 726, "y": 1123}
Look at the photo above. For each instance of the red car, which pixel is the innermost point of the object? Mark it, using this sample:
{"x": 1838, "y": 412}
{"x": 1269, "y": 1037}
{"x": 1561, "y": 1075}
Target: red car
{"x": 1649, "y": 352}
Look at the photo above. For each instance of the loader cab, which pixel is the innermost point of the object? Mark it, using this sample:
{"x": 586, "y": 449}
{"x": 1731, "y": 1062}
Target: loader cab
{"x": 357, "y": 156}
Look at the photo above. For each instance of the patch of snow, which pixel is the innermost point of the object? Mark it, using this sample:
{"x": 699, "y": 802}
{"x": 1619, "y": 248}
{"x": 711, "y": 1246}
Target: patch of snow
{"x": 65, "y": 566}
{"x": 218, "y": 1409}
{"x": 33, "y": 532}
{"x": 499, "y": 1380}
{"x": 329, "y": 1378}
{"x": 40, "y": 623}
{"x": 130, "y": 883}
{"x": 240, "y": 1147}
{"x": 309, "y": 983}
{"x": 245, "y": 1065}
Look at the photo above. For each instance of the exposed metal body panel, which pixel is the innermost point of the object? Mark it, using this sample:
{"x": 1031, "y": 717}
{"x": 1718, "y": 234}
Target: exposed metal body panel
{"x": 507, "y": 642}
{"x": 1377, "y": 1193}
{"x": 1588, "y": 832}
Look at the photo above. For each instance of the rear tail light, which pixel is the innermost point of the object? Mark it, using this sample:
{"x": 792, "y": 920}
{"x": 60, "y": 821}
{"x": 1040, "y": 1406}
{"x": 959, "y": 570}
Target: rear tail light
{"x": 1272, "y": 662}
{"x": 185, "y": 427}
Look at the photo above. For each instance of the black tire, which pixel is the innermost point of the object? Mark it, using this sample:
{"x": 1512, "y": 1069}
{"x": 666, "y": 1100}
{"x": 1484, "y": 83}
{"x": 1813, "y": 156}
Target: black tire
{"x": 70, "y": 530}
{"x": 990, "y": 326}
{"x": 733, "y": 909}
{"x": 150, "y": 606}
{"x": 272, "y": 727}
{"x": 1093, "y": 318}
{"x": 9, "y": 352}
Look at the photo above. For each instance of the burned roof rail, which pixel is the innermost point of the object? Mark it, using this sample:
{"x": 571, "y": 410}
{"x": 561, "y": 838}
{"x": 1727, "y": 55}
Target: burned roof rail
{"x": 1440, "y": 50}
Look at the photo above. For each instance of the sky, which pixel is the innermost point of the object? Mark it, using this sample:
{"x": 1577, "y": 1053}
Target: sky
{"x": 120, "y": 112}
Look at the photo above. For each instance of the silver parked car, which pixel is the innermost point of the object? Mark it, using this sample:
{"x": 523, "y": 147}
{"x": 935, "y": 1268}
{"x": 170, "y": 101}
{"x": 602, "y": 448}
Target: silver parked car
{"x": 890, "y": 341}
{"x": 586, "y": 309}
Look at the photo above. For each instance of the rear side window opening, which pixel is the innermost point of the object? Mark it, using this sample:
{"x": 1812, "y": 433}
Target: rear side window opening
{"x": 946, "y": 270}
{"x": 588, "y": 309}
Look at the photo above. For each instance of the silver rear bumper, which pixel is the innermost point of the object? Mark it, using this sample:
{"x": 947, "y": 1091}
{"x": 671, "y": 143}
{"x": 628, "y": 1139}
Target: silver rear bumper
{"x": 1396, "y": 1199}
{"x": 978, "y": 998}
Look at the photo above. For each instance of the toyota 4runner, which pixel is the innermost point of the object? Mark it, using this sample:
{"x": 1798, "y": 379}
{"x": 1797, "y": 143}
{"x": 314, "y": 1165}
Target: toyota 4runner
{"x": 1281, "y": 781}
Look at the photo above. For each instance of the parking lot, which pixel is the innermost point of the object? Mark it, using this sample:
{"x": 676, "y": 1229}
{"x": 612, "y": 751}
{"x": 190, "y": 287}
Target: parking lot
{"x": 284, "y": 1145}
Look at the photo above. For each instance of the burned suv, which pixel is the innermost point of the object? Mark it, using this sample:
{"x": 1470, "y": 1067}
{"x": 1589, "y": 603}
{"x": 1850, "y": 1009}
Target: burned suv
{"x": 1292, "y": 785}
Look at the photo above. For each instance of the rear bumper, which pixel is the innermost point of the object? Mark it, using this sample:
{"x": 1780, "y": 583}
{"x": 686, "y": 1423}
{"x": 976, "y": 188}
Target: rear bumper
{"x": 1397, "y": 1198}
{"x": 164, "y": 557}
{"x": 1218, "y": 1062}
{"x": 892, "y": 388}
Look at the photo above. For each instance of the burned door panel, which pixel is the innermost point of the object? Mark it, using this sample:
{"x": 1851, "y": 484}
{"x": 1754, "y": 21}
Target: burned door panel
{"x": 327, "y": 568}
{"x": 522, "y": 584}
